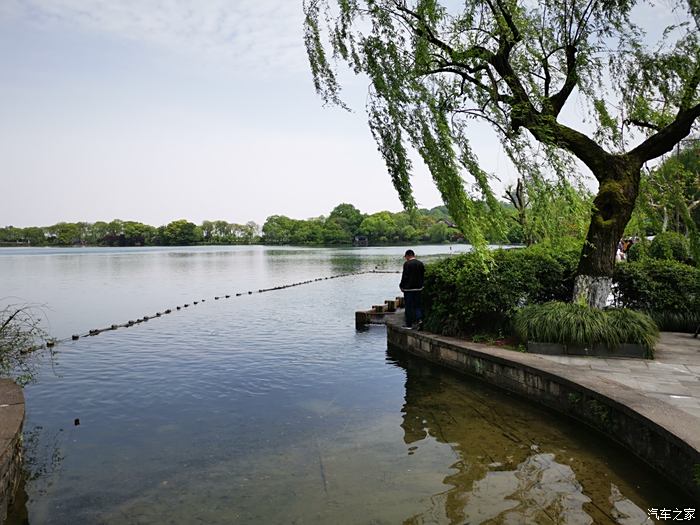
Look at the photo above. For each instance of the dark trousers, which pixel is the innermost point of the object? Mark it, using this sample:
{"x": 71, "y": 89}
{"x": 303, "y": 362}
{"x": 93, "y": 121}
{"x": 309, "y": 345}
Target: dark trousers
{"x": 414, "y": 312}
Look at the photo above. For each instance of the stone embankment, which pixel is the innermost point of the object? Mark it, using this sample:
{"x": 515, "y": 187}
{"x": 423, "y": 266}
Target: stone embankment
{"x": 11, "y": 421}
{"x": 652, "y": 407}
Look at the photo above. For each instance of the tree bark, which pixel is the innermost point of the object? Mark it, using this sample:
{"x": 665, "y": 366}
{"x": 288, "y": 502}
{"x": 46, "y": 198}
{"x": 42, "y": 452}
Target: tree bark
{"x": 612, "y": 209}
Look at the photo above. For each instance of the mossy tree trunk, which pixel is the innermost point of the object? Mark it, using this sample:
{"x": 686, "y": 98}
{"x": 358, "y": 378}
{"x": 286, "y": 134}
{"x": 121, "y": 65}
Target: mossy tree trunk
{"x": 618, "y": 177}
{"x": 612, "y": 209}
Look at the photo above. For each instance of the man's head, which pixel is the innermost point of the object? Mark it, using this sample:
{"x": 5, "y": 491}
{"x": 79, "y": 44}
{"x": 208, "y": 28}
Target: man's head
{"x": 410, "y": 254}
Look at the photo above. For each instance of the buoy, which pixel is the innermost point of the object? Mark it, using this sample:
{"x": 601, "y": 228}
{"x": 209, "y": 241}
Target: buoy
{"x": 76, "y": 421}
{"x": 195, "y": 302}
{"x": 168, "y": 311}
{"x": 203, "y": 300}
{"x": 158, "y": 314}
{"x": 185, "y": 305}
{"x": 238, "y": 295}
{"x": 227, "y": 296}
{"x": 50, "y": 343}
{"x": 216, "y": 298}
{"x": 75, "y": 337}
{"x": 114, "y": 327}
{"x": 177, "y": 307}
{"x": 250, "y": 293}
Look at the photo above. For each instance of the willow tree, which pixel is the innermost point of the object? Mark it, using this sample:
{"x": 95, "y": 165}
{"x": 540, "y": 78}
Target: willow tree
{"x": 516, "y": 65}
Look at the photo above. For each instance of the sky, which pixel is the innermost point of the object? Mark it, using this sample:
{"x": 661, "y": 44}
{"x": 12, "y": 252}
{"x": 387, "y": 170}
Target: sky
{"x": 160, "y": 110}
{"x": 157, "y": 110}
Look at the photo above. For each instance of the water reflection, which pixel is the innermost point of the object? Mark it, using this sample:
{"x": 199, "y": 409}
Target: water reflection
{"x": 504, "y": 470}
{"x": 271, "y": 408}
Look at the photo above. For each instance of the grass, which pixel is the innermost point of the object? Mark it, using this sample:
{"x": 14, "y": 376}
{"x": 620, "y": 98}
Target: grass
{"x": 676, "y": 321}
{"x": 573, "y": 323}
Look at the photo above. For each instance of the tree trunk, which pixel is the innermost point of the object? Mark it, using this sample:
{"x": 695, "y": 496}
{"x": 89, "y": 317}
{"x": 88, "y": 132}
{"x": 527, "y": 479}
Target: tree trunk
{"x": 612, "y": 209}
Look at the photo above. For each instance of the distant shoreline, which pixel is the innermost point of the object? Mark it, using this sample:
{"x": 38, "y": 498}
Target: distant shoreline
{"x": 78, "y": 246}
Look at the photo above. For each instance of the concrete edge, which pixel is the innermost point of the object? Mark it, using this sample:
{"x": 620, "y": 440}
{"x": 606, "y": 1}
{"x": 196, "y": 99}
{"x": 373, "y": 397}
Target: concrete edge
{"x": 650, "y": 428}
{"x": 12, "y": 412}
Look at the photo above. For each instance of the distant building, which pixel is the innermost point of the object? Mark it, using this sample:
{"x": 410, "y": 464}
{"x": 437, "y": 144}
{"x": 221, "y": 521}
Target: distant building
{"x": 360, "y": 240}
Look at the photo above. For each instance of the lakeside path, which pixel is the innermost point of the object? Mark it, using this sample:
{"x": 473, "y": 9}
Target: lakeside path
{"x": 673, "y": 376}
{"x": 650, "y": 406}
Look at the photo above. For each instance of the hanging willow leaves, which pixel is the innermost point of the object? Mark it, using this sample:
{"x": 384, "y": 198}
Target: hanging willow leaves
{"x": 434, "y": 67}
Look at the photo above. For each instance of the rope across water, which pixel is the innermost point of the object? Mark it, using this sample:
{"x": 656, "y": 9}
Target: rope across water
{"x": 52, "y": 342}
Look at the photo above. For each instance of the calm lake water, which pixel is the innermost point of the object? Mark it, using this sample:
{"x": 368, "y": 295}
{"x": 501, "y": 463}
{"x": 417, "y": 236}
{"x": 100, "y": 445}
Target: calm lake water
{"x": 271, "y": 408}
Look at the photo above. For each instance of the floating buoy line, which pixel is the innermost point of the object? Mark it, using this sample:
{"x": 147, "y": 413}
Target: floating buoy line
{"x": 96, "y": 331}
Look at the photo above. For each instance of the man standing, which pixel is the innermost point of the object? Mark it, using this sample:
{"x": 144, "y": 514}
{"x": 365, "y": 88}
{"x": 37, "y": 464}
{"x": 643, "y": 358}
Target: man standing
{"x": 411, "y": 286}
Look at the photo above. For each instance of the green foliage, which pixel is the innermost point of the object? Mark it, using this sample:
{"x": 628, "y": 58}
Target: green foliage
{"x": 671, "y": 246}
{"x": 181, "y": 233}
{"x": 20, "y": 336}
{"x": 668, "y": 290}
{"x": 669, "y": 198}
{"x": 131, "y": 233}
{"x": 579, "y": 324}
{"x": 384, "y": 227}
{"x": 462, "y": 296}
{"x": 638, "y": 251}
{"x": 379, "y": 227}
{"x": 667, "y": 321}
{"x": 434, "y": 67}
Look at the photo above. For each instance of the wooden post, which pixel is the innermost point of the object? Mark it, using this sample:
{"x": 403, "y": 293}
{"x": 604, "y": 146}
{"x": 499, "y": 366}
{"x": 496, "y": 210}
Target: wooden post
{"x": 361, "y": 318}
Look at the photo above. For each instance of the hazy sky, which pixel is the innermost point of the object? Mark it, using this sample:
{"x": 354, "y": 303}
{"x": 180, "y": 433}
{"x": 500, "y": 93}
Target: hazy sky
{"x": 159, "y": 110}
{"x": 155, "y": 110}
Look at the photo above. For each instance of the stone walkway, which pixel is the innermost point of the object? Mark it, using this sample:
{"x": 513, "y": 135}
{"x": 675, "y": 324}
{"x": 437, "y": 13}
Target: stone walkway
{"x": 672, "y": 377}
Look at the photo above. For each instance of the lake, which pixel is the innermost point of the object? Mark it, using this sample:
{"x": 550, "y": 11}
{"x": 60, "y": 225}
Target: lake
{"x": 272, "y": 408}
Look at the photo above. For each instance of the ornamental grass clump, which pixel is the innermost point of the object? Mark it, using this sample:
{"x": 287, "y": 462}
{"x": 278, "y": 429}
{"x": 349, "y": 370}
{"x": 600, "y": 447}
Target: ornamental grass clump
{"x": 634, "y": 327}
{"x": 578, "y": 324}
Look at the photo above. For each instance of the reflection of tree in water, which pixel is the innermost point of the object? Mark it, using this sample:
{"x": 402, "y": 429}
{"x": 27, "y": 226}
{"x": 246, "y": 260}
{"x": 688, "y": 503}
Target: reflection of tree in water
{"x": 41, "y": 460}
{"x": 500, "y": 474}
{"x": 346, "y": 262}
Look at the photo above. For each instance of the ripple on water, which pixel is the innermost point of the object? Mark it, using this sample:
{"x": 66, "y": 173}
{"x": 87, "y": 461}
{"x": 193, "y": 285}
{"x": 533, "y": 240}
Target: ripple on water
{"x": 271, "y": 408}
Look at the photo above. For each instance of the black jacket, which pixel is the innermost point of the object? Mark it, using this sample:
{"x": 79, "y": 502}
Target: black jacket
{"x": 413, "y": 275}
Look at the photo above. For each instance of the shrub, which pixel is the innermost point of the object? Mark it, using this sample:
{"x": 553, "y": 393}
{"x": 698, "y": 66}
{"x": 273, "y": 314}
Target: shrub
{"x": 670, "y": 245}
{"x": 463, "y": 296}
{"x": 668, "y": 290}
{"x": 638, "y": 251}
{"x": 20, "y": 336}
{"x": 573, "y": 323}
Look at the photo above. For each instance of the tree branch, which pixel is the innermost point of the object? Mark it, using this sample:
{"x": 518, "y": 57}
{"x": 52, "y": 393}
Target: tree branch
{"x": 690, "y": 89}
{"x": 10, "y": 318}
{"x": 641, "y": 124}
{"x": 557, "y": 101}
{"x": 549, "y": 131}
{"x": 667, "y": 137}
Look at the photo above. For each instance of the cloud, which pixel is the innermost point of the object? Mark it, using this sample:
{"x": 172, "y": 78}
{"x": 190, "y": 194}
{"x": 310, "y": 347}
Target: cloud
{"x": 257, "y": 34}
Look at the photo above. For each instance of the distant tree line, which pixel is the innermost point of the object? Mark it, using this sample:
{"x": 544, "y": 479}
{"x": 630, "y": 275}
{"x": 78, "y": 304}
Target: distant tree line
{"x": 343, "y": 226}
{"x": 131, "y": 233}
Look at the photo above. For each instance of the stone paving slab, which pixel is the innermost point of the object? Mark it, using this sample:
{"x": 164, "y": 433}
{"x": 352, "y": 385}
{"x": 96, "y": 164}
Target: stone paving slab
{"x": 672, "y": 377}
